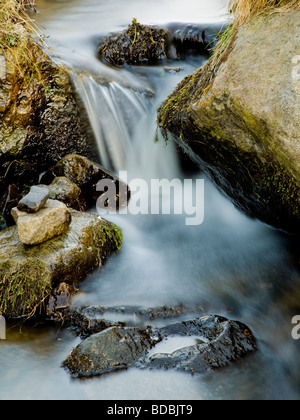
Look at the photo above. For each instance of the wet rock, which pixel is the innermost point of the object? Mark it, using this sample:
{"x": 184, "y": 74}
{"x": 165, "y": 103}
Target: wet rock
{"x": 86, "y": 174}
{"x": 194, "y": 38}
{"x": 35, "y": 200}
{"x": 218, "y": 342}
{"x": 139, "y": 44}
{"x": 51, "y": 221}
{"x": 3, "y": 224}
{"x": 60, "y": 300}
{"x": 113, "y": 349}
{"x": 88, "y": 320}
{"x": 64, "y": 190}
{"x": 250, "y": 150}
{"x": 10, "y": 199}
{"x": 28, "y": 275}
{"x": 213, "y": 342}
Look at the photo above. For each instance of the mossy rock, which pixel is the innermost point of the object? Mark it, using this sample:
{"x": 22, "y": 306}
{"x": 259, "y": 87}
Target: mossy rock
{"x": 29, "y": 274}
{"x": 241, "y": 121}
{"x": 139, "y": 44}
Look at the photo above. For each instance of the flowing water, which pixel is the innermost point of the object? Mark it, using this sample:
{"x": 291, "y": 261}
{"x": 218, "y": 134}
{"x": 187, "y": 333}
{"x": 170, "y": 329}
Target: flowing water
{"x": 230, "y": 265}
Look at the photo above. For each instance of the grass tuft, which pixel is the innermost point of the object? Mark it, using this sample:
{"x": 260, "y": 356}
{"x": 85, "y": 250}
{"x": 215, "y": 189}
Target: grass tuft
{"x": 245, "y": 10}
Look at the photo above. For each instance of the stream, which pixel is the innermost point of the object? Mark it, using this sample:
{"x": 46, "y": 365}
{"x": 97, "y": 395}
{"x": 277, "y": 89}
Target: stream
{"x": 229, "y": 265}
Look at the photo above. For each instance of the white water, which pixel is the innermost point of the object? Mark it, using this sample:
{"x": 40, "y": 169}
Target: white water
{"x": 230, "y": 265}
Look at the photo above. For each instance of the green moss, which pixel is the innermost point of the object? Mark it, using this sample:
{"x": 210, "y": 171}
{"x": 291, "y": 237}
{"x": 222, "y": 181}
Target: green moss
{"x": 23, "y": 289}
{"x": 114, "y": 235}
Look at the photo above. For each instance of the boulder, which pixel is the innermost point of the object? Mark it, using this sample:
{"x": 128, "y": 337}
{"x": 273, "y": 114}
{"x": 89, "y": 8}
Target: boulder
{"x": 113, "y": 349}
{"x": 52, "y": 220}
{"x": 28, "y": 275}
{"x": 35, "y": 200}
{"x": 240, "y": 120}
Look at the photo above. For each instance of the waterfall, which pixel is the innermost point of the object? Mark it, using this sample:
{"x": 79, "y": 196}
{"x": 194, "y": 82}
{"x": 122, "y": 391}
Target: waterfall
{"x": 113, "y": 111}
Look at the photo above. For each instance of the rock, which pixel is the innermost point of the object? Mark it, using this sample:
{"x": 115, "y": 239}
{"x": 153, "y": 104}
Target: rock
{"x": 3, "y": 224}
{"x": 113, "y": 349}
{"x": 139, "y": 44}
{"x": 10, "y": 199}
{"x": 218, "y": 342}
{"x": 52, "y": 220}
{"x": 60, "y": 300}
{"x": 241, "y": 122}
{"x": 35, "y": 200}
{"x": 40, "y": 120}
{"x": 194, "y": 37}
{"x": 28, "y": 275}
{"x": 64, "y": 190}
{"x": 86, "y": 174}
{"x": 87, "y": 321}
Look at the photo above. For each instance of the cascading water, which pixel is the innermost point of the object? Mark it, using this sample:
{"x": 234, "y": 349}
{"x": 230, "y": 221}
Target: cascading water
{"x": 230, "y": 265}
{"x": 110, "y": 108}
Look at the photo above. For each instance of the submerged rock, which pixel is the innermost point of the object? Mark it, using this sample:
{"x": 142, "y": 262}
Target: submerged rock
{"x": 113, "y": 349}
{"x": 241, "y": 122}
{"x": 29, "y": 274}
{"x": 35, "y": 200}
{"x": 51, "y": 221}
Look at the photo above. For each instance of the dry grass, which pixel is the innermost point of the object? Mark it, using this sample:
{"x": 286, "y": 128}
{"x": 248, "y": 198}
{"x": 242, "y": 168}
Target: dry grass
{"x": 244, "y": 10}
{"x": 17, "y": 32}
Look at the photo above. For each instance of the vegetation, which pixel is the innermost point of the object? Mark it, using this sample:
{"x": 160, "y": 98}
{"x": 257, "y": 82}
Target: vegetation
{"x": 244, "y": 10}
{"x": 16, "y": 31}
